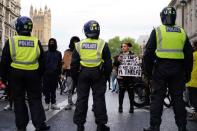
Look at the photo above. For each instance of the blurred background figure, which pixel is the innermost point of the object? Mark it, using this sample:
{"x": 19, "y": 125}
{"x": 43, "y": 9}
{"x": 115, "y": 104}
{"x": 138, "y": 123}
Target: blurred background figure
{"x": 114, "y": 81}
{"x": 125, "y": 81}
{"x": 71, "y": 81}
{"x": 52, "y": 74}
{"x": 192, "y": 85}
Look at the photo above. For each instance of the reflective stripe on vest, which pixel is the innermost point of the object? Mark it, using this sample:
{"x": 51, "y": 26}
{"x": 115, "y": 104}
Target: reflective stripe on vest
{"x": 90, "y": 56}
{"x": 170, "y": 44}
{"x": 24, "y": 56}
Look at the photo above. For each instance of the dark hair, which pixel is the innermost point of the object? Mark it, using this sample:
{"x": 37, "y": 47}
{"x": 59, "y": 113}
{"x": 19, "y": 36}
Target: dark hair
{"x": 73, "y": 40}
{"x": 127, "y": 43}
{"x": 52, "y": 47}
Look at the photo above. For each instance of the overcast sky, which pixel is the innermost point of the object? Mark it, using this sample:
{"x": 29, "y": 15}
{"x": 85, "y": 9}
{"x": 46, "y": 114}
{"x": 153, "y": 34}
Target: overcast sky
{"x": 116, "y": 17}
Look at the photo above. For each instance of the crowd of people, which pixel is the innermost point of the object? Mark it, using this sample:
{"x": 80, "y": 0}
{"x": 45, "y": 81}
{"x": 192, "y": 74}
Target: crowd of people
{"x": 29, "y": 72}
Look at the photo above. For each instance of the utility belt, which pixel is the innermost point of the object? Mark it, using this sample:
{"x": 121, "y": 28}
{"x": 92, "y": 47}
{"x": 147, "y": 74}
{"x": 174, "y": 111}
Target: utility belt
{"x": 168, "y": 61}
{"x": 100, "y": 67}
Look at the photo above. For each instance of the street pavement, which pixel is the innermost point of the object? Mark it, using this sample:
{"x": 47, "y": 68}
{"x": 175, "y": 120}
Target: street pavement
{"x": 63, "y": 120}
{"x": 7, "y": 117}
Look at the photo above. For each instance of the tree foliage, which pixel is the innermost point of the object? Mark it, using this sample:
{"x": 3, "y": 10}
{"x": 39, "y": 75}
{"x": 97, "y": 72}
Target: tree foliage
{"x": 115, "y": 45}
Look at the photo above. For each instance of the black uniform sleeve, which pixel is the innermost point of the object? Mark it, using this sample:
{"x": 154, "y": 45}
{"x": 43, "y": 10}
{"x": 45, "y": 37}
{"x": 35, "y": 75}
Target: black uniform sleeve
{"x": 149, "y": 54}
{"x": 60, "y": 63}
{"x": 107, "y": 65}
{"x": 75, "y": 64}
{"x": 188, "y": 61}
{"x": 5, "y": 62}
{"x": 41, "y": 59}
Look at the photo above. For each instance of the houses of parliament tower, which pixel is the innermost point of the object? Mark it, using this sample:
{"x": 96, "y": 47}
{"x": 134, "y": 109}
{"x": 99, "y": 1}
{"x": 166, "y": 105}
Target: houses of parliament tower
{"x": 42, "y": 24}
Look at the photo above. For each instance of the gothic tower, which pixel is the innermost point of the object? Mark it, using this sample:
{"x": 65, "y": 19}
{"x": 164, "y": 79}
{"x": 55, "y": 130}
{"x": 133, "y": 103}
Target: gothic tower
{"x": 41, "y": 24}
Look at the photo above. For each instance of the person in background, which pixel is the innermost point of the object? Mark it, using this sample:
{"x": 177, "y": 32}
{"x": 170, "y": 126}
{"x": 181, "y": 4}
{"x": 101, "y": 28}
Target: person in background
{"x": 125, "y": 82}
{"x": 9, "y": 92}
{"x": 71, "y": 82}
{"x": 114, "y": 82}
{"x": 192, "y": 84}
{"x": 52, "y": 73}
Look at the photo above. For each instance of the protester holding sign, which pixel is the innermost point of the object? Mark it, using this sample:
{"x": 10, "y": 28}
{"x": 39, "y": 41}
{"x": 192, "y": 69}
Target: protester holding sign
{"x": 127, "y": 69}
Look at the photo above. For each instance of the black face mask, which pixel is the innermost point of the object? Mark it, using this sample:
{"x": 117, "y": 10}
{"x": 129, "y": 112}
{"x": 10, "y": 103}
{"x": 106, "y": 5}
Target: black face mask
{"x": 52, "y": 47}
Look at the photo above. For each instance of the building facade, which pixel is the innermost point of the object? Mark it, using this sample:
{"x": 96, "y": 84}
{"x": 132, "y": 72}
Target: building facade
{"x": 41, "y": 24}
{"x": 9, "y": 10}
{"x": 142, "y": 41}
{"x": 187, "y": 16}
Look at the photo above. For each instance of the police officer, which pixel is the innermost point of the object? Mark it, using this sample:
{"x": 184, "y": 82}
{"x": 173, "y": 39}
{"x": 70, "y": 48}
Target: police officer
{"x": 93, "y": 57}
{"x": 168, "y": 60}
{"x": 22, "y": 63}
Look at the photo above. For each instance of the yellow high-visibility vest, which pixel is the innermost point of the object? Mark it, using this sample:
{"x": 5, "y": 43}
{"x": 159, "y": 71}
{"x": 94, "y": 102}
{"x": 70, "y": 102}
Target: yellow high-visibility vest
{"x": 90, "y": 51}
{"x": 193, "y": 81}
{"x": 24, "y": 52}
{"x": 170, "y": 42}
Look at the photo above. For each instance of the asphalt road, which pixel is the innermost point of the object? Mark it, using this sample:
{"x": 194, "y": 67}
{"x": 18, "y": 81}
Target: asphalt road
{"x": 63, "y": 120}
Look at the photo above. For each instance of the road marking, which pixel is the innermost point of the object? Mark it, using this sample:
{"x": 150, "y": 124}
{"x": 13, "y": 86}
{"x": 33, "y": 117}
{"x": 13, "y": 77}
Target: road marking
{"x": 50, "y": 113}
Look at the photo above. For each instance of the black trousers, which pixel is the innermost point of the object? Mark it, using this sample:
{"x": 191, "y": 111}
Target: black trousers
{"x": 193, "y": 97}
{"x": 125, "y": 84}
{"x": 91, "y": 78}
{"x": 170, "y": 73}
{"x": 50, "y": 83}
{"x": 27, "y": 83}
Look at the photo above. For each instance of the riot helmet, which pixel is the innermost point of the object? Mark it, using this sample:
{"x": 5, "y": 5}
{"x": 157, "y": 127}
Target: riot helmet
{"x": 92, "y": 29}
{"x": 168, "y": 16}
{"x": 24, "y": 25}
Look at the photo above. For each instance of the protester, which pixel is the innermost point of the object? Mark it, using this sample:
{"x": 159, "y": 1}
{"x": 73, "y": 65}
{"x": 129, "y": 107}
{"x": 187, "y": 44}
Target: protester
{"x": 125, "y": 80}
{"x": 71, "y": 82}
{"x": 52, "y": 73}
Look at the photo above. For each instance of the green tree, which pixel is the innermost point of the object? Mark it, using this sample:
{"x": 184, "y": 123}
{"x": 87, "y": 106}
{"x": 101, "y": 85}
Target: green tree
{"x": 115, "y": 43}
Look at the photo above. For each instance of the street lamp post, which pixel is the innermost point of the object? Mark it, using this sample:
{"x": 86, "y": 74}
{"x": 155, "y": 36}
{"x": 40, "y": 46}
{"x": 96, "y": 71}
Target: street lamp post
{"x": 183, "y": 4}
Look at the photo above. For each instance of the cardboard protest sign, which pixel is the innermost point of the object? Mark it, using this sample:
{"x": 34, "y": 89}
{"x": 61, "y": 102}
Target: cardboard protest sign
{"x": 130, "y": 66}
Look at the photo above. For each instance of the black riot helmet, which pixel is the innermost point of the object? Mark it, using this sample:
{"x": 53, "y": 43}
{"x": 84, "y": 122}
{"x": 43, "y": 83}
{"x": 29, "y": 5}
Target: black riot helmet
{"x": 23, "y": 25}
{"x": 168, "y": 16}
{"x": 92, "y": 29}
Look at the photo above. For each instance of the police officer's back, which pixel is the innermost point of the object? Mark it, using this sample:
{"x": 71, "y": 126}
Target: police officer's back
{"x": 21, "y": 65}
{"x": 168, "y": 61}
{"x": 93, "y": 58}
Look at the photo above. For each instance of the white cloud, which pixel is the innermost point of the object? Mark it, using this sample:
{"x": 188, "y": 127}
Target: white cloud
{"x": 116, "y": 17}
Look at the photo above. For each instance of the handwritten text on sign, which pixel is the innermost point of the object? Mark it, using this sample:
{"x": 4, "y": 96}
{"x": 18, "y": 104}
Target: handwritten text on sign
{"x": 129, "y": 66}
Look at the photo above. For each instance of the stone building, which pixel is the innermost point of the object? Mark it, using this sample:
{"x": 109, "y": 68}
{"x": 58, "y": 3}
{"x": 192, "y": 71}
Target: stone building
{"x": 9, "y": 10}
{"x": 142, "y": 41}
{"x": 41, "y": 24}
{"x": 187, "y": 16}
